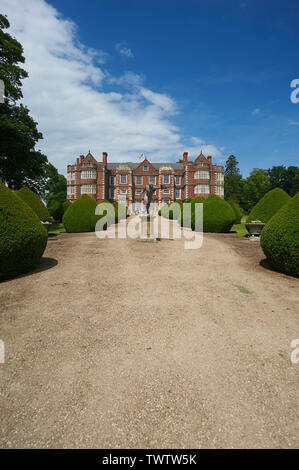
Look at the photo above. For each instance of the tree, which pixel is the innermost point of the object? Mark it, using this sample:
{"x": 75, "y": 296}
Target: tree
{"x": 20, "y": 164}
{"x": 232, "y": 179}
{"x": 55, "y": 187}
{"x": 254, "y": 188}
{"x": 292, "y": 180}
{"x": 11, "y": 53}
{"x": 285, "y": 178}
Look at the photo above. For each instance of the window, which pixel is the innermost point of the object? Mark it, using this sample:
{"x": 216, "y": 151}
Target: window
{"x": 203, "y": 175}
{"x": 88, "y": 189}
{"x": 219, "y": 177}
{"x": 111, "y": 194}
{"x": 219, "y": 190}
{"x": 177, "y": 180}
{"x": 138, "y": 206}
{"x": 202, "y": 189}
{"x": 71, "y": 175}
{"x": 71, "y": 189}
{"x": 88, "y": 174}
{"x": 112, "y": 180}
{"x": 123, "y": 179}
{"x": 166, "y": 191}
{"x": 123, "y": 191}
{"x": 166, "y": 179}
{"x": 152, "y": 180}
{"x": 138, "y": 180}
{"x": 145, "y": 168}
{"x": 165, "y": 201}
{"x": 177, "y": 194}
{"x": 139, "y": 191}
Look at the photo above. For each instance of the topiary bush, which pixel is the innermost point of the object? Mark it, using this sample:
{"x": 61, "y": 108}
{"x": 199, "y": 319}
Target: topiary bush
{"x": 172, "y": 210}
{"x": 66, "y": 204}
{"x": 218, "y": 216}
{"x": 268, "y": 205}
{"x": 35, "y": 203}
{"x": 56, "y": 211}
{"x": 80, "y": 215}
{"x": 23, "y": 238}
{"x": 280, "y": 238}
{"x": 237, "y": 211}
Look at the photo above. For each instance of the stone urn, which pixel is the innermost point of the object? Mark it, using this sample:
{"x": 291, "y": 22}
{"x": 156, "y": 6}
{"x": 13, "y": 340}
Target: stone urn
{"x": 47, "y": 225}
{"x": 255, "y": 227}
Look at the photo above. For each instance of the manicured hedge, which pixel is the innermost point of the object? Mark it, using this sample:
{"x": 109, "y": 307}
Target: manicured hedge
{"x": 80, "y": 215}
{"x": 218, "y": 216}
{"x": 35, "y": 203}
{"x": 23, "y": 238}
{"x": 268, "y": 205}
{"x": 237, "y": 211}
{"x": 280, "y": 238}
{"x": 57, "y": 211}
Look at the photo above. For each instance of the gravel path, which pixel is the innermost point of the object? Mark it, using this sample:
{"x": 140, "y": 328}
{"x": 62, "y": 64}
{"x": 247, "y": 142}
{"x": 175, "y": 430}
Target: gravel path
{"x": 194, "y": 355}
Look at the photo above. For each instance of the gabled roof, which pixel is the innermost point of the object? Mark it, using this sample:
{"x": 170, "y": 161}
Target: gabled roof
{"x": 200, "y": 158}
{"x": 90, "y": 158}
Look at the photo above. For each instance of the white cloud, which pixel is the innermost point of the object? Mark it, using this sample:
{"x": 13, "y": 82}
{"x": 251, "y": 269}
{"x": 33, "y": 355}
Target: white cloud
{"x": 255, "y": 111}
{"x": 294, "y": 123}
{"x": 69, "y": 94}
{"x": 124, "y": 50}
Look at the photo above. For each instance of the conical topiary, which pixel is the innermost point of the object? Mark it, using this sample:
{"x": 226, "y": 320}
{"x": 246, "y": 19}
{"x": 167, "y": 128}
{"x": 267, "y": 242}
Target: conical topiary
{"x": 80, "y": 216}
{"x": 23, "y": 238}
{"x": 35, "y": 203}
{"x": 280, "y": 238}
{"x": 268, "y": 205}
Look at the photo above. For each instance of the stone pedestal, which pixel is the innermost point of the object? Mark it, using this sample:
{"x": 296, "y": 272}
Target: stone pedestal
{"x": 147, "y": 231}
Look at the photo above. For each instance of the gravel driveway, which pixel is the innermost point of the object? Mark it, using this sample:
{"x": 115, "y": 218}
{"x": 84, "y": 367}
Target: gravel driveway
{"x": 122, "y": 344}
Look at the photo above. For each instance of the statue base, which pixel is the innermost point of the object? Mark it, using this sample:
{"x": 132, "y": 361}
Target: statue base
{"x": 147, "y": 228}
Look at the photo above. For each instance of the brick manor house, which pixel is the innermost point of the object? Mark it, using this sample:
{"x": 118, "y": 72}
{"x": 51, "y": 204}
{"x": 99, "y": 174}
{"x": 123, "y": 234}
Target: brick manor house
{"x": 125, "y": 182}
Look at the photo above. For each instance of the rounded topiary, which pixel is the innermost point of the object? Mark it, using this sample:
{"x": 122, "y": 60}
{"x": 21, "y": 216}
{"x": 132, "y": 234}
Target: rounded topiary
{"x": 66, "y": 204}
{"x": 35, "y": 203}
{"x": 237, "y": 211}
{"x": 268, "y": 205}
{"x": 218, "y": 216}
{"x": 280, "y": 238}
{"x": 56, "y": 211}
{"x": 80, "y": 216}
{"x": 23, "y": 238}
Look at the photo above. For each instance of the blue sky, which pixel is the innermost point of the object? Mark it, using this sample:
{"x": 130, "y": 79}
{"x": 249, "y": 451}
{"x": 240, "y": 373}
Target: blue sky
{"x": 162, "y": 77}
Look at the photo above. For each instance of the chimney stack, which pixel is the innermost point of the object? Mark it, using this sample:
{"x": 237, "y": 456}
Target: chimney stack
{"x": 209, "y": 158}
{"x": 81, "y": 158}
{"x": 105, "y": 155}
{"x": 77, "y": 161}
{"x": 185, "y": 157}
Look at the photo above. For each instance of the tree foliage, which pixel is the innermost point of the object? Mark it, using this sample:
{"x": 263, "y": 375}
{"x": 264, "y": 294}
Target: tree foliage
{"x": 232, "y": 179}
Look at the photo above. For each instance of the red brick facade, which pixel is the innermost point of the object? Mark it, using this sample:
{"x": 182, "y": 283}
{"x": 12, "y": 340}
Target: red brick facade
{"x": 125, "y": 182}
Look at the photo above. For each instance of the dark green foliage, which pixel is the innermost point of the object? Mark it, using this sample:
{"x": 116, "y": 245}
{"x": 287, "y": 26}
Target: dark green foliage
{"x": 35, "y": 203}
{"x": 66, "y": 204}
{"x": 218, "y": 216}
{"x": 57, "y": 211}
{"x": 268, "y": 205}
{"x": 280, "y": 238}
{"x": 23, "y": 238}
{"x": 237, "y": 211}
{"x": 80, "y": 215}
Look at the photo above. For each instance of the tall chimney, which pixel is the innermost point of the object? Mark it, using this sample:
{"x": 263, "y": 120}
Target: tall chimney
{"x": 78, "y": 161}
{"x": 209, "y": 158}
{"x": 185, "y": 157}
{"x": 81, "y": 158}
{"x": 105, "y": 155}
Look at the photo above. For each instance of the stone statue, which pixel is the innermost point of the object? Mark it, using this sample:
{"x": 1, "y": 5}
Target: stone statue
{"x": 149, "y": 192}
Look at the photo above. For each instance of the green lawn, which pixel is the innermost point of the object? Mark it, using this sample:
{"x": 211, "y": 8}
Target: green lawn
{"x": 56, "y": 229}
{"x": 240, "y": 228}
